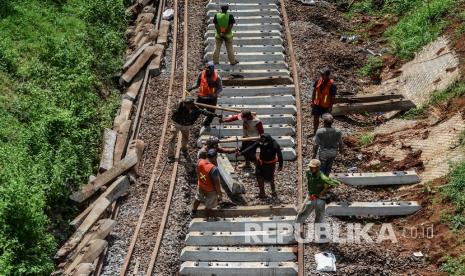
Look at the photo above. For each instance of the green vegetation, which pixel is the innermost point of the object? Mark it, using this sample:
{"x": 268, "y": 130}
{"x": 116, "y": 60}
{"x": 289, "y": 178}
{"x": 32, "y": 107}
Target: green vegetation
{"x": 56, "y": 62}
{"x": 420, "y": 21}
{"x": 454, "y": 266}
{"x": 419, "y": 27}
{"x": 372, "y": 67}
{"x": 454, "y": 91}
{"x": 366, "y": 139}
{"x": 455, "y": 187}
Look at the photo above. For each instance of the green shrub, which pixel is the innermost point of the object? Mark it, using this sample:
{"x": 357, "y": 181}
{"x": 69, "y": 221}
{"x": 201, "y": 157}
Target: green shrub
{"x": 454, "y": 266}
{"x": 366, "y": 139}
{"x": 372, "y": 67}
{"x": 54, "y": 57}
{"x": 418, "y": 27}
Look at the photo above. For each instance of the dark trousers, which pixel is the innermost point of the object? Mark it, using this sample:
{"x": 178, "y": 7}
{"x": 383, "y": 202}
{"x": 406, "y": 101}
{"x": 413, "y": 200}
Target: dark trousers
{"x": 326, "y": 165}
{"x": 210, "y": 101}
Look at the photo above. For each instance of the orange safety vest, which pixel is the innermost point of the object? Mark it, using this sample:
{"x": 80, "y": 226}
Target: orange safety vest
{"x": 323, "y": 97}
{"x": 205, "y": 90}
{"x": 205, "y": 182}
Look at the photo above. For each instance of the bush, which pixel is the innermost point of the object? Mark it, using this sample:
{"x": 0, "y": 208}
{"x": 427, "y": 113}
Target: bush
{"x": 453, "y": 266}
{"x": 366, "y": 139}
{"x": 372, "y": 67}
{"x": 54, "y": 57}
{"x": 418, "y": 27}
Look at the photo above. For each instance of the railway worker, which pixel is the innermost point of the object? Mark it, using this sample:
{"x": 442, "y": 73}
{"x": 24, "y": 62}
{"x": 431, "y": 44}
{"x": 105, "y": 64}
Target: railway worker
{"x": 208, "y": 184}
{"x": 326, "y": 143}
{"x": 270, "y": 154}
{"x": 224, "y": 22}
{"x": 318, "y": 185}
{"x": 210, "y": 85}
{"x": 213, "y": 143}
{"x": 184, "y": 115}
{"x": 251, "y": 127}
{"x": 324, "y": 93}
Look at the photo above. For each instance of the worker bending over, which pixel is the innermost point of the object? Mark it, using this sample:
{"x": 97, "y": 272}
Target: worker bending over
{"x": 251, "y": 127}
{"x": 324, "y": 93}
{"x": 326, "y": 143}
{"x": 270, "y": 154}
{"x": 318, "y": 185}
{"x": 184, "y": 114}
{"x": 210, "y": 85}
{"x": 224, "y": 22}
{"x": 208, "y": 184}
{"x": 213, "y": 143}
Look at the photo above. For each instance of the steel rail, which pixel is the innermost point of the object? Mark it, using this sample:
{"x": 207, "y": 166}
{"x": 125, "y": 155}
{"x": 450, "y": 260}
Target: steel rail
{"x": 299, "y": 138}
{"x": 161, "y": 229}
{"x": 153, "y": 178}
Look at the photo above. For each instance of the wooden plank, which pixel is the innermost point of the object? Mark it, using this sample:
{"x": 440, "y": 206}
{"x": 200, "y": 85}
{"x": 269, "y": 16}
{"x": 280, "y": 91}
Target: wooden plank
{"x": 242, "y": 211}
{"x": 163, "y": 32}
{"x": 109, "y": 141}
{"x": 116, "y": 189}
{"x": 140, "y": 62}
{"x": 134, "y": 87}
{"x": 155, "y": 65}
{"x": 87, "y": 255}
{"x": 126, "y": 108}
{"x": 121, "y": 140}
{"x": 84, "y": 269}
{"x": 381, "y": 106}
{"x": 99, "y": 231}
{"x": 369, "y": 98}
{"x": 99, "y": 209}
{"x": 105, "y": 178}
{"x": 256, "y": 81}
{"x": 134, "y": 56}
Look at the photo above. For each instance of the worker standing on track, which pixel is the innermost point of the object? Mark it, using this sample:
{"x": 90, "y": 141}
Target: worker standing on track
{"x": 210, "y": 85}
{"x": 270, "y": 154}
{"x": 326, "y": 143}
{"x": 251, "y": 127}
{"x": 208, "y": 189}
{"x": 318, "y": 185}
{"x": 224, "y": 22}
{"x": 213, "y": 143}
{"x": 324, "y": 93}
{"x": 184, "y": 115}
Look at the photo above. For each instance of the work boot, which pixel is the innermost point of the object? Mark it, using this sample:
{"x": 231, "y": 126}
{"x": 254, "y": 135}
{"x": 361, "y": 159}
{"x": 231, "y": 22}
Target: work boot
{"x": 234, "y": 63}
{"x": 185, "y": 152}
{"x": 193, "y": 213}
{"x": 171, "y": 159}
{"x": 261, "y": 196}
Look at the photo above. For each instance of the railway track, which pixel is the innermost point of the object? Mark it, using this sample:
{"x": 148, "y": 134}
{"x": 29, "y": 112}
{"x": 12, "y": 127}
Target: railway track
{"x": 265, "y": 85}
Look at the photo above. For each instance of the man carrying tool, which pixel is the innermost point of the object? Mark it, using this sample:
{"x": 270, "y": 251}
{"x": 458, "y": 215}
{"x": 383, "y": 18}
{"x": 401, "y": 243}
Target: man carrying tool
{"x": 270, "y": 154}
{"x": 251, "y": 127}
{"x": 213, "y": 143}
{"x": 184, "y": 116}
{"x": 210, "y": 85}
{"x": 224, "y": 22}
{"x": 208, "y": 184}
{"x": 324, "y": 92}
{"x": 318, "y": 185}
{"x": 326, "y": 143}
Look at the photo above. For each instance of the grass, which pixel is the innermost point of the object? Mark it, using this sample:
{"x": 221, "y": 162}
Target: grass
{"x": 453, "y": 266}
{"x": 419, "y": 21}
{"x": 437, "y": 97}
{"x": 366, "y": 139}
{"x": 372, "y": 67}
{"x": 55, "y": 55}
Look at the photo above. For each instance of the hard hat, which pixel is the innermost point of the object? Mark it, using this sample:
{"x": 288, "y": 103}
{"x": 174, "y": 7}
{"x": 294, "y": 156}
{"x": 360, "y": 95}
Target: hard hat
{"x": 224, "y": 7}
{"x": 212, "y": 153}
{"x": 211, "y": 65}
{"x": 327, "y": 118}
{"x": 212, "y": 141}
{"x": 189, "y": 100}
{"x": 314, "y": 163}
